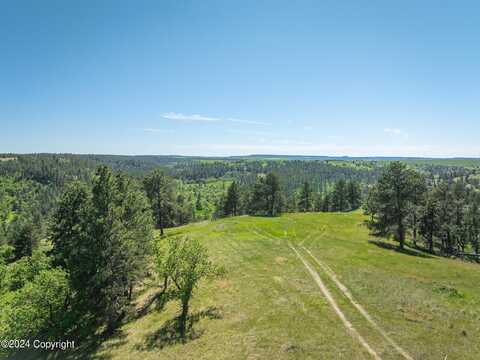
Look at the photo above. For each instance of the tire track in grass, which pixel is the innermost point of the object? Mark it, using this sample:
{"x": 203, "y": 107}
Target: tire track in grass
{"x": 335, "y": 306}
{"x": 346, "y": 292}
{"x": 331, "y": 274}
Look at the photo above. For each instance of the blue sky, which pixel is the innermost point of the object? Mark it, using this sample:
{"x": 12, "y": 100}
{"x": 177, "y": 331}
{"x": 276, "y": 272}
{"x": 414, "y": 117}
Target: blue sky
{"x": 239, "y": 77}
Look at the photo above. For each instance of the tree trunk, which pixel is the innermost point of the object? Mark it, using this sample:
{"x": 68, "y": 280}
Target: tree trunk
{"x": 130, "y": 292}
{"x": 401, "y": 233}
{"x": 113, "y": 321}
{"x": 160, "y": 222}
{"x": 449, "y": 243}
{"x": 415, "y": 229}
{"x": 430, "y": 243}
{"x": 183, "y": 319}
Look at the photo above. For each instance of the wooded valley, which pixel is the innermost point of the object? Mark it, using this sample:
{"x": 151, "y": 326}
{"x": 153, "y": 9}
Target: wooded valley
{"x": 82, "y": 235}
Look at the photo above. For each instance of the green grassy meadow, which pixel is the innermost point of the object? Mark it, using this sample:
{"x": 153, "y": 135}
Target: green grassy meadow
{"x": 268, "y": 306}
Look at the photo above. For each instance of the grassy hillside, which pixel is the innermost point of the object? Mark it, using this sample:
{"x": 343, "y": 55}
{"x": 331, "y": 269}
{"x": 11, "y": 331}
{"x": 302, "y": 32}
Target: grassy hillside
{"x": 269, "y": 306}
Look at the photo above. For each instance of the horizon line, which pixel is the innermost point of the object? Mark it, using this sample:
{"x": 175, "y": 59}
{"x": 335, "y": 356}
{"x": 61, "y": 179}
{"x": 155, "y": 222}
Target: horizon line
{"x": 459, "y": 157}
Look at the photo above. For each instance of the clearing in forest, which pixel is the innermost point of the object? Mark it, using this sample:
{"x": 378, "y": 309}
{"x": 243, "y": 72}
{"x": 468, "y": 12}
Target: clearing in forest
{"x": 402, "y": 305}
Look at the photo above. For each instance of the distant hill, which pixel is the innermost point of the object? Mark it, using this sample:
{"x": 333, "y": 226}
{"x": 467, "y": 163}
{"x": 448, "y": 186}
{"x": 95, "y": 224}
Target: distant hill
{"x": 167, "y": 159}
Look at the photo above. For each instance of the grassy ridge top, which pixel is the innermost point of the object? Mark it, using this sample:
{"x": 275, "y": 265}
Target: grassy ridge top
{"x": 268, "y": 306}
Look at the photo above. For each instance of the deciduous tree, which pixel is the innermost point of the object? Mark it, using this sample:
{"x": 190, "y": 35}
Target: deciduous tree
{"x": 184, "y": 262}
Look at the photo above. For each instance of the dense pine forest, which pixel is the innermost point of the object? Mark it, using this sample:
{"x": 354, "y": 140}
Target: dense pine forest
{"x": 204, "y": 188}
{"x": 77, "y": 231}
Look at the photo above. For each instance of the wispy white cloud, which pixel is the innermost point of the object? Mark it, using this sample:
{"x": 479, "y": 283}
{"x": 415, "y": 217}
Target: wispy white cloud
{"x": 184, "y": 117}
{"x": 197, "y": 117}
{"x": 396, "y": 132}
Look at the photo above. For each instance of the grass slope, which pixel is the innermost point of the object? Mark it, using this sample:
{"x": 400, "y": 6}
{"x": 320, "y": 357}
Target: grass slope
{"x": 269, "y": 307}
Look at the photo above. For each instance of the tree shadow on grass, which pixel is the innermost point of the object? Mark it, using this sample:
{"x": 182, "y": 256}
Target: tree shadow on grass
{"x": 410, "y": 252}
{"x": 157, "y": 300}
{"x": 88, "y": 348}
{"x": 169, "y": 333}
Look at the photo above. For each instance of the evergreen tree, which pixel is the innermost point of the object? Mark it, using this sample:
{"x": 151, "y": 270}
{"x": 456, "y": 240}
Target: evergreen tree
{"x": 160, "y": 192}
{"x": 354, "y": 194}
{"x": 71, "y": 247}
{"x": 219, "y": 207}
{"x": 273, "y": 195}
{"x": 257, "y": 202}
{"x": 318, "y": 202}
{"x": 183, "y": 211}
{"x": 472, "y": 221}
{"x": 394, "y": 196}
{"x": 305, "y": 202}
{"x": 419, "y": 189}
{"x": 428, "y": 221}
{"x": 266, "y": 197}
{"x": 444, "y": 230}
{"x": 198, "y": 202}
{"x": 231, "y": 204}
{"x": 102, "y": 236}
{"x": 21, "y": 235}
{"x": 290, "y": 203}
{"x": 371, "y": 205}
{"x": 109, "y": 284}
{"x": 137, "y": 222}
{"x": 327, "y": 202}
{"x": 459, "y": 229}
{"x": 339, "y": 196}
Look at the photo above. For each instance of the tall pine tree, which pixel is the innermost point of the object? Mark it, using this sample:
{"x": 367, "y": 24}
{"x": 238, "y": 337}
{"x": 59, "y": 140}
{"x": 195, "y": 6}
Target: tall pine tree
{"x": 305, "y": 202}
{"x": 231, "y": 204}
{"x": 393, "y": 198}
{"x": 102, "y": 236}
{"x": 266, "y": 196}
{"x": 160, "y": 192}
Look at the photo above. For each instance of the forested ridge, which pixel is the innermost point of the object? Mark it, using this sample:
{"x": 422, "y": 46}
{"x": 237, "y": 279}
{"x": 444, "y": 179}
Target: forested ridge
{"x": 200, "y": 185}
